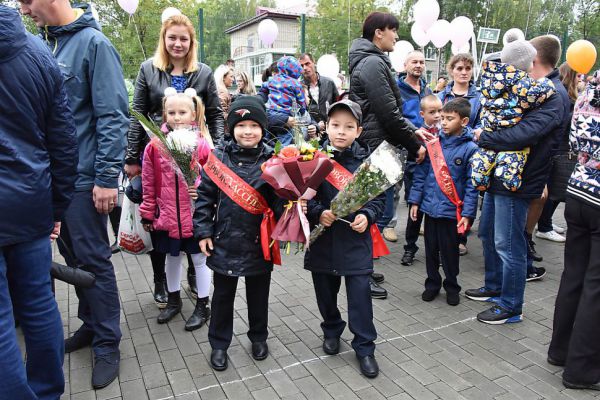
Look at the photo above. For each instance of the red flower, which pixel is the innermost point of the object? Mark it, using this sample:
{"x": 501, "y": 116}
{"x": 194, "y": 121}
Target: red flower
{"x": 289, "y": 152}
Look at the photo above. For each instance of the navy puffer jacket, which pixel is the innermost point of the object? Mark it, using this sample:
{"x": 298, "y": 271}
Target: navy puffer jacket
{"x": 38, "y": 145}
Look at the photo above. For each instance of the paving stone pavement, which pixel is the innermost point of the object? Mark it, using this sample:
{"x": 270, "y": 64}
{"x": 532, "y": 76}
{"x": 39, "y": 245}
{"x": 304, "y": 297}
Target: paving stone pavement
{"x": 425, "y": 350}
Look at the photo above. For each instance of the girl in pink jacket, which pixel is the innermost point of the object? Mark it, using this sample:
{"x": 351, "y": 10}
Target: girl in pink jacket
{"x": 167, "y": 206}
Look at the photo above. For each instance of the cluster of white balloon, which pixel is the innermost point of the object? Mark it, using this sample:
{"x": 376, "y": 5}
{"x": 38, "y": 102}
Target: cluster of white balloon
{"x": 428, "y": 28}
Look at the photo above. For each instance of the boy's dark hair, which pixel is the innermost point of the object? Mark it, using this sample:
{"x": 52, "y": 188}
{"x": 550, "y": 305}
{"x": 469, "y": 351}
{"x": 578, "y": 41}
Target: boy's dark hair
{"x": 378, "y": 20}
{"x": 428, "y": 100}
{"x": 460, "y": 106}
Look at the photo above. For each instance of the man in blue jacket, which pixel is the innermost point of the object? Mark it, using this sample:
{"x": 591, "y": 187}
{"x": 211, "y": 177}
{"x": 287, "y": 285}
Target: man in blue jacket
{"x": 38, "y": 160}
{"x": 504, "y": 214}
{"x": 96, "y": 90}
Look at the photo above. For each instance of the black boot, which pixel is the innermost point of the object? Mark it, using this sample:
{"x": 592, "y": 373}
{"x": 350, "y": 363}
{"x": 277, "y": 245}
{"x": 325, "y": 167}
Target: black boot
{"x": 172, "y": 309}
{"x": 191, "y": 278}
{"x": 160, "y": 294}
{"x": 200, "y": 315}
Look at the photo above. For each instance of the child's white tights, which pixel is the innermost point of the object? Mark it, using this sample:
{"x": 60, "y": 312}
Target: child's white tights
{"x": 173, "y": 270}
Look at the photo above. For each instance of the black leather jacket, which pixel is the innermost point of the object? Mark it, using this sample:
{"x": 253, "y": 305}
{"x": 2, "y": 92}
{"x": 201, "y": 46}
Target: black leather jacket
{"x": 328, "y": 94}
{"x": 374, "y": 88}
{"x": 147, "y": 99}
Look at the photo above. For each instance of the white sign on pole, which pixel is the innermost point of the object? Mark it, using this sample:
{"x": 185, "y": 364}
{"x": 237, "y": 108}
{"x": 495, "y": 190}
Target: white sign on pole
{"x": 488, "y": 35}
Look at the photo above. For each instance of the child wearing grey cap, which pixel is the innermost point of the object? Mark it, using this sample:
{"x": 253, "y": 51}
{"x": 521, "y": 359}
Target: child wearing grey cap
{"x": 507, "y": 93}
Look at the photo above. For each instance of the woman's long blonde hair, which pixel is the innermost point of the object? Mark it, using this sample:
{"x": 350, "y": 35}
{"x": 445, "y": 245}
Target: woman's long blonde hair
{"x": 220, "y": 73}
{"x": 248, "y": 84}
{"x": 161, "y": 58}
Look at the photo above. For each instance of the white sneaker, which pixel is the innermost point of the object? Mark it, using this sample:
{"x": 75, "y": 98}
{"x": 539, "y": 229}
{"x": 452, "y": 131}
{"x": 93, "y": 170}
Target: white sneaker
{"x": 552, "y": 236}
{"x": 558, "y": 229}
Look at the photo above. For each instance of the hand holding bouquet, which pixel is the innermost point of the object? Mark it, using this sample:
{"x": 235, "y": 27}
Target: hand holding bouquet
{"x": 380, "y": 171}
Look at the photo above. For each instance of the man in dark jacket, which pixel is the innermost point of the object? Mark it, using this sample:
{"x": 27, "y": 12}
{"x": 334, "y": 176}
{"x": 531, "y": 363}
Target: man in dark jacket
{"x": 97, "y": 95}
{"x": 322, "y": 91}
{"x": 38, "y": 160}
{"x": 502, "y": 224}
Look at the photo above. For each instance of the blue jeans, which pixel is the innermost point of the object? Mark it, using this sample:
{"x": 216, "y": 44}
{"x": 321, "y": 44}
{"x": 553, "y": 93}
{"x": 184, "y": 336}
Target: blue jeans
{"x": 502, "y": 234}
{"x": 388, "y": 212}
{"x": 25, "y": 276}
{"x": 84, "y": 232}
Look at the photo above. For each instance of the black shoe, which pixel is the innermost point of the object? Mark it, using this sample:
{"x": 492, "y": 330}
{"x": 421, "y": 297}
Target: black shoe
{"x": 377, "y": 292}
{"x": 368, "y": 366}
{"x": 481, "y": 294}
{"x": 106, "y": 370}
{"x": 79, "y": 340}
{"x": 218, "y": 360}
{"x": 160, "y": 294}
{"x": 378, "y": 278}
{"x": 531, "y": 250}
{"x": 453, "y": 299}
{"x": 429, "y": 295}
{"x": 408, "y": 258}
{"x": 331, "y": 346}
{"x": 173, "y": 308}
{"x": 200, "y": 315}
{"x": 498, "y": 315}
{"x": 554, "y": 361}
{"x": 114, "y": 248}
{"x": 536, "y": 275}
{"x": 191, "y": 279}
{"x": 581, "y": 386}
{"x": 260, "y": 350}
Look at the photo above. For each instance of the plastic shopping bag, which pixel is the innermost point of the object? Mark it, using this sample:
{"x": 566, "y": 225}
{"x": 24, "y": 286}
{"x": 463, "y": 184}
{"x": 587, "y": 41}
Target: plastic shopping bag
{"x": 132, "y": 237}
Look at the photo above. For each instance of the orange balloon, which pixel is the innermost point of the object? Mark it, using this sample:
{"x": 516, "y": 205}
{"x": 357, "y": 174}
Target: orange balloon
{"x": 581, "y": 56}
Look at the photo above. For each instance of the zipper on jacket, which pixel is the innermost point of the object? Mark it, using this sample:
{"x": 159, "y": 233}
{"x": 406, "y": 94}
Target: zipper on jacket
{"x": 177, "y": 205}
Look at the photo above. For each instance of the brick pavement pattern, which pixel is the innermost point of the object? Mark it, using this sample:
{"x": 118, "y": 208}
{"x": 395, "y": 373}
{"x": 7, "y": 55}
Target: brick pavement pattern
{"x": 425, "y": 350}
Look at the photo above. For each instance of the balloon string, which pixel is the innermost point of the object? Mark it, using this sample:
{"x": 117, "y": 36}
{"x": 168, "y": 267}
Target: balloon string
{"x": 138, "y": 35}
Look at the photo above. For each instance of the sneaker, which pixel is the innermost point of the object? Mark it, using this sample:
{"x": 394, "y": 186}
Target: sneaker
{"x": 498, "y": 315}
{"x": 558, "y": 229}
{"x": 408, "y": 258}
{"x": 552, "y": 236}
{"x": 462, "y": 250}
{"x": 531, "y": 249}
{"x": 537, "y": 275}
{"x": 481, "y": 294}
{"x": 390, "y": 235}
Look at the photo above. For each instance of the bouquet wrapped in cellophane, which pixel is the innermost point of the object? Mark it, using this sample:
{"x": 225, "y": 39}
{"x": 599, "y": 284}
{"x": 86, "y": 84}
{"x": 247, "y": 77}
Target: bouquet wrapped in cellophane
{"x": 180, "y": 146}
{"x": 380, "y": 171}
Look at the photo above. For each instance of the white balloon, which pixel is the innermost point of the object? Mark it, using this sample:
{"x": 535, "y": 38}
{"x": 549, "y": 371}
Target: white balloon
{"x": 401, "y": 50}
{"x": 439, "y": 33}
{"x": 328, "y": 66}
{"x": 426, "y": 12}
{"x": 129, "y": 5}
{"x": 461, "y": 30}
{"x": 267, "y": 31}
{"x": 168, "y": 13}
{"x": 419, "y": 36}
{"x": 464, "y": 49}
{"x": 514, "y": 34}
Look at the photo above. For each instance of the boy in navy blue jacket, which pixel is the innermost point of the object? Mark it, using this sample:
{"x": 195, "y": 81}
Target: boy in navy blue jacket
{"x": 345, "y": 249}
{"x": 441, "y": 234}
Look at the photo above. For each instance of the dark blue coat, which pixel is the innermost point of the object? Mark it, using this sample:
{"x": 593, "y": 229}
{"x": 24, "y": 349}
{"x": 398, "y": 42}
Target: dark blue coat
{"x": 540, "y": 129}
{"x": 341, "y": 250}
{"x": 425, "y": 190}
{"x": 472, "y": 95}
{"x": 411, "y": 100}
{"x": 38, "y": 143}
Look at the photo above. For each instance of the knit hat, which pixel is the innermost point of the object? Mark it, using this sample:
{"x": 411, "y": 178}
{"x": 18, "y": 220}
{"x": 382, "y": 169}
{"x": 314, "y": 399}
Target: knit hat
{"x": 518, "y": 53}
{"x": 247, "y": 108}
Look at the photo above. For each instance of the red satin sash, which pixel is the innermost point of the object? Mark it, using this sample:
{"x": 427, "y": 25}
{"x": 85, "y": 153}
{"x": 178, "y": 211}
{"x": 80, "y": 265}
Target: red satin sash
{"x": 249, "y": 199}
{"x": 339, "y": 178}
{"x": 444, "y": 178}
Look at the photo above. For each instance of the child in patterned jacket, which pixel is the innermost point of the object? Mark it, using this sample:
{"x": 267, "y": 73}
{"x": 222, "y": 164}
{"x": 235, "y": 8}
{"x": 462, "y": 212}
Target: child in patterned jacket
{"x": 507, "y": 93}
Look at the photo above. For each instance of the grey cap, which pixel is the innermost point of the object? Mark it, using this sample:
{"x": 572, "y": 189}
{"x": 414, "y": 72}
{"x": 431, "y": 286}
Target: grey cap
{"x": 351, "y": 106}
{"x": 519, "y": 53}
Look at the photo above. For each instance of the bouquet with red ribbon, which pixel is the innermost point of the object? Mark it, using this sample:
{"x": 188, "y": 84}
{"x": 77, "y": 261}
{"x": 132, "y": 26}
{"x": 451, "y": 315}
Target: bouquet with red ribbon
{"x": 295, "y": 172}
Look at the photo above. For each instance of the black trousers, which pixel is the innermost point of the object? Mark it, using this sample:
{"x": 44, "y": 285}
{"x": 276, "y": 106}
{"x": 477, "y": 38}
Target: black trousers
{"x": 411, "y": 234}
{"x": 441, "y": 244}
{"x": 158, "y": 265}
{"x": 220, "y": 330}
{"x": 360, "y": 310}
{"x": 576, "y": 330}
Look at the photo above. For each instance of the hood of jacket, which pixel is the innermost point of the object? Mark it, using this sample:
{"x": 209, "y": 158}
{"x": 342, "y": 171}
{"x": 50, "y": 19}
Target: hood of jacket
{"x": 289, "y": 66}
{"x": 362, "y": 48}
{"x": 12, "y": 33}
{"x": 85, "y": 20}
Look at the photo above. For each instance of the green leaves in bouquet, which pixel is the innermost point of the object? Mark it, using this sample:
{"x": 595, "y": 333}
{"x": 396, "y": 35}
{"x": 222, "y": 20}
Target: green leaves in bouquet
{"x": 278, "y": 147}
{"x": 365, "y": 186}
{"x": 149, "y": 126}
